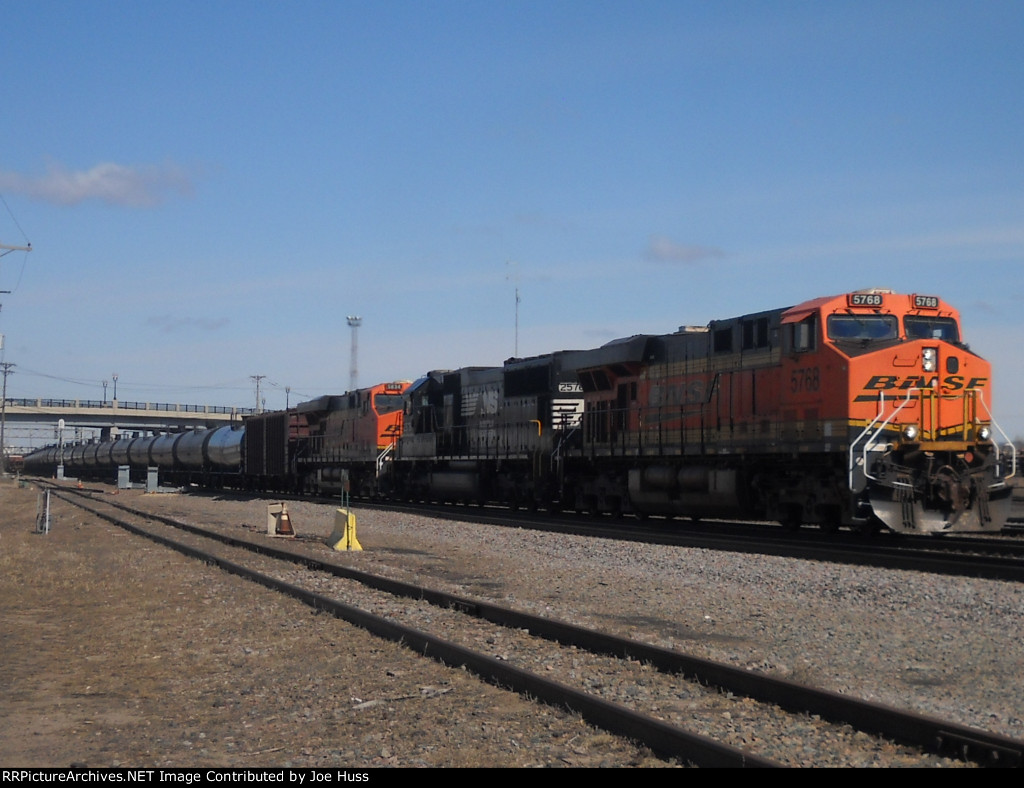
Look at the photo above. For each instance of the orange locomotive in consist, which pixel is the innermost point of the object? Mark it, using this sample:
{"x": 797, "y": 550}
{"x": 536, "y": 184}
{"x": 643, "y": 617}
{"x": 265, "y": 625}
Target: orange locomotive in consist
{"x": 350, "y": 438}
{"x": 863, "y": 409}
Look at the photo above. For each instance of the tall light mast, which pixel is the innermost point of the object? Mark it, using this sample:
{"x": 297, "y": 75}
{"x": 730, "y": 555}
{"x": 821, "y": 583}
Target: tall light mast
{"x": 257, "y": 379}
{"x": 354, "y": 321}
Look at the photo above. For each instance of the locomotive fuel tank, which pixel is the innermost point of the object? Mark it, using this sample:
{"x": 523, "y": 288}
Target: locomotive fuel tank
{"x": 693, "y": 491}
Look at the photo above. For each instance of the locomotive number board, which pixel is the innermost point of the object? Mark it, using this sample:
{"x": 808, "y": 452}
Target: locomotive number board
{"x": 864, "y": 299}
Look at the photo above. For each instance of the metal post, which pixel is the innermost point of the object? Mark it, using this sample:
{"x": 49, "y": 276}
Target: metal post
{"x": 6, "y": 367}
{"x": 43, "y": 512}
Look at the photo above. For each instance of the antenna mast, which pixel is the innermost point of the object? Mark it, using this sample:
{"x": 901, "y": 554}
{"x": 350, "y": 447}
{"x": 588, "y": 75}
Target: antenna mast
{"x": 514, "y": 276}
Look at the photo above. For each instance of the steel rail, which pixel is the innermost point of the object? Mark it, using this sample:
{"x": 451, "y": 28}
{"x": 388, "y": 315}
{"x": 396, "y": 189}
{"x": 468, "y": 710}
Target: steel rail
{"x": 661, "y": 737}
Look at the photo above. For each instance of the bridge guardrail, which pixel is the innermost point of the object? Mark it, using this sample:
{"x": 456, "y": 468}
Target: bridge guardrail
{"x": 163, "y": 407}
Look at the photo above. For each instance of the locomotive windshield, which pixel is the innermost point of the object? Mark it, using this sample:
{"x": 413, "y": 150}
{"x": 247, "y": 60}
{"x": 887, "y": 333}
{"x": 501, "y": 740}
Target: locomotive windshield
{"x": 924, "y": 327}
{"x": 386, "y": 403}
{"x": 862, "y": 328}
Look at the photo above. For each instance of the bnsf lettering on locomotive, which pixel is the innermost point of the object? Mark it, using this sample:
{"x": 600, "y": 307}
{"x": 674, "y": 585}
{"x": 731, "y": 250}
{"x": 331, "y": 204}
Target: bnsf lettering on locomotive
{"x": 881, "y": 383}
{"x": 891, "y": 382}
{"x": 917, "y": 383}
{"x": 684, "y": 394}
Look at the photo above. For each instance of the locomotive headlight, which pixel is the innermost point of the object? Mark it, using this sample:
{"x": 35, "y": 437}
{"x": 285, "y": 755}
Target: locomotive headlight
{"x": 929, "y": 358}
{"x": 910, "y": 432}
{"x": 984, "y": 433}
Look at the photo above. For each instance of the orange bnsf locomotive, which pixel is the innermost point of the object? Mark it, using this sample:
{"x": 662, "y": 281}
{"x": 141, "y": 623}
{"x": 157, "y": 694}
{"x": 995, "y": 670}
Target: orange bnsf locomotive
{"x": 326, "y": 444}
{"x": 863, "y": 409}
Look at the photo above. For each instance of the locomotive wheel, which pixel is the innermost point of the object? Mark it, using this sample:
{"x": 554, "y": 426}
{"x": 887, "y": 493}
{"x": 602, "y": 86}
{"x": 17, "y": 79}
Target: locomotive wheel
{"x": 792, "y": 517}
{"x": 831, "y": 520}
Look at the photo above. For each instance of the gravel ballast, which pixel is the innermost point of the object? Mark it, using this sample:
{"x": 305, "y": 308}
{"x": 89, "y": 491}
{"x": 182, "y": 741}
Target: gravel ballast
{"x": 947, "y": 647}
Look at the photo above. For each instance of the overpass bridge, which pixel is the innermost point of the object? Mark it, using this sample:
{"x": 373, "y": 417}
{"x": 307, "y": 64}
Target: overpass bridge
{"x": 41, "y": 417}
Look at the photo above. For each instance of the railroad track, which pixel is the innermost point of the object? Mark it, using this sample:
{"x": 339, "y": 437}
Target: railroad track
{"x": 556, "y": 662}
{"x": 993, "y": 557}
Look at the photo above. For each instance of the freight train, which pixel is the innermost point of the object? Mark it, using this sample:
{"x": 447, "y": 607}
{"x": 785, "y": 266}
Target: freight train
{"x": 861, "y": 410}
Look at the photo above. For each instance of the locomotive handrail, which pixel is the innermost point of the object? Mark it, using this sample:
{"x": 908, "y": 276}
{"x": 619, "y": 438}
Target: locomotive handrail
{"x": 556, "y": 453}
{"x": 1009, "y": 443}
{"x": 380, "y": 457}
{"x": 870, "y": 443}
{"x": 864, "y": 432}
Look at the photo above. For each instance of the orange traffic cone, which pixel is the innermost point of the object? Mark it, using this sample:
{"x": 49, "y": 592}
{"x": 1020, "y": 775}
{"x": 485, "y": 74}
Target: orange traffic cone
{"x": 284, "y": 523}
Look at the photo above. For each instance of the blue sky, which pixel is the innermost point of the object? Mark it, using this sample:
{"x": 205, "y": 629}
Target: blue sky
{"x": 210, "y": 188}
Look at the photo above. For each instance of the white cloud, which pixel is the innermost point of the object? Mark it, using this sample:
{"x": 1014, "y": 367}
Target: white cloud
{"x": 116, "y": 184}
{"x": 662, "y": 249}
{"x": 169, "y": 323}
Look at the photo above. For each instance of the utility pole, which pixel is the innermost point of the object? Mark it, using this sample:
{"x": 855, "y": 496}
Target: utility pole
{"x": 6, "y": 249}
{"x": 354, "y": 321}
{"x": 6, "y": 367}
{"x": 257, "y": 378}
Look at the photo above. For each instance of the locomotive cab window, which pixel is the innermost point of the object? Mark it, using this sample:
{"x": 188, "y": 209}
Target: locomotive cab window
{"x": 387, "y": 403}
{"x": 862, "y": 328}
{"x": 803, "y": 335}
{"x": 755, "y": 333}
{"x": 924, "y": 327}
{"x": 723, "y": 340}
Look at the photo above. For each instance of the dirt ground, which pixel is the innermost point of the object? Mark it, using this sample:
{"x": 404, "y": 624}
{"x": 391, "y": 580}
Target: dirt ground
{"x": 119, "y": 652}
